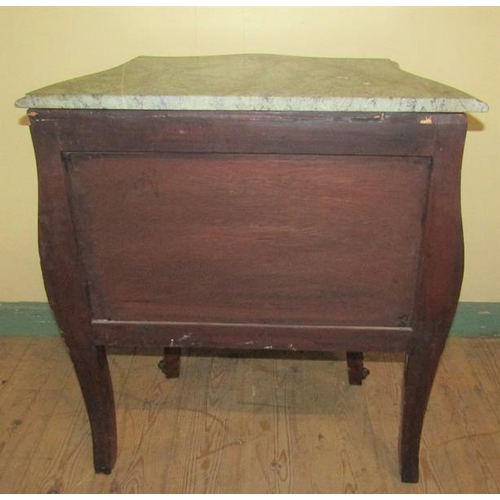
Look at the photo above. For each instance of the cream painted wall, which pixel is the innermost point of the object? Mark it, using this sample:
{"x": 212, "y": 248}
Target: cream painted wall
{"x": 458, "y": 46}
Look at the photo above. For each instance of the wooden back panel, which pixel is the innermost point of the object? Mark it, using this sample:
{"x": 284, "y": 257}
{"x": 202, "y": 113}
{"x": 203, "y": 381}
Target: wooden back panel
{"x": 250, "y": 238}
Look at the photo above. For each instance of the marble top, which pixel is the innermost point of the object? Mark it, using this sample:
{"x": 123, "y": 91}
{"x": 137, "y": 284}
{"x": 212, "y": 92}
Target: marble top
{"x": 254, "y": 82}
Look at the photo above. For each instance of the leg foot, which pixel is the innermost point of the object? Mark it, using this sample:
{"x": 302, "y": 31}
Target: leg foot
{"x": 356, "y": 370}
{"x": 170, "y": 365}
{"x": 103, "y": 470}
{"x": 420, "y": 370}
{"x": 92, "y": 371}
{"x": 409, "y": 474}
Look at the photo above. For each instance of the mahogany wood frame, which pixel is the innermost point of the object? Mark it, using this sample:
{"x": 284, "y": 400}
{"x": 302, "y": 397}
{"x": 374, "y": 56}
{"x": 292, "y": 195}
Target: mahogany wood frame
{"x": 57, "y": 134}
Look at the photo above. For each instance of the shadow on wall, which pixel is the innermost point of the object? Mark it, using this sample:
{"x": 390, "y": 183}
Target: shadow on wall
{"x": 473, "y": 124}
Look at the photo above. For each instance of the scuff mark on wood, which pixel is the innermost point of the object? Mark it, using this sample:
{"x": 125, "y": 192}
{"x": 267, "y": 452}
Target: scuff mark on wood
{"x": 211, "y": 452}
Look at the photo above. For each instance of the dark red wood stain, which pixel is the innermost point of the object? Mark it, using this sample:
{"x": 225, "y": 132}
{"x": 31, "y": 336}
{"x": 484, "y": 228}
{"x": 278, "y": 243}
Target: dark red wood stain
{"x": 319, "y": 231}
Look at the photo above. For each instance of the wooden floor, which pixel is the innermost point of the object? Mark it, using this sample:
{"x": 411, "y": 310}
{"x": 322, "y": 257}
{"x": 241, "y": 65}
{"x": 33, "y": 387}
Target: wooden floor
{"x": 247, "y": 425}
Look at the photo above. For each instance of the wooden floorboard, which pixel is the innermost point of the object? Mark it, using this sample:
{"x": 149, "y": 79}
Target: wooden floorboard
{"x": 241, "y": 424}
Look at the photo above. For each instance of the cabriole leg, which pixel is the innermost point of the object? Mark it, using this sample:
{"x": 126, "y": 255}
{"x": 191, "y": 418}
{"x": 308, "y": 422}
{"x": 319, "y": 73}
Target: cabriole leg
{"x": 420, "y": 370}
{"x": 92, "y": 371}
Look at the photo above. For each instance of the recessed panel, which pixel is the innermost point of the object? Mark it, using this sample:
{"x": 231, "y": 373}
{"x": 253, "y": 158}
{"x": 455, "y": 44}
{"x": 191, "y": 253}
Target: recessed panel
{"x": 280, "y": 239}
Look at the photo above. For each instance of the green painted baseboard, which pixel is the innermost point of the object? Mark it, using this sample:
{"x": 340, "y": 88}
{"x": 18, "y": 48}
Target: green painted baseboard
{"x": 27, "y": 318}
{"x": 473, "y": 319}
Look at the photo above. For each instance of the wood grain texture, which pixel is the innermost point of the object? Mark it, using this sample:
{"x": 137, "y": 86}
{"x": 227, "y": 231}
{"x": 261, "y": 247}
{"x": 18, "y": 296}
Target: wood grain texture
{"x": 242, "y": 424}
{"x": 257, "y": 132}
{"x": 27, "y": 403}
{"x": 284, "y": 239}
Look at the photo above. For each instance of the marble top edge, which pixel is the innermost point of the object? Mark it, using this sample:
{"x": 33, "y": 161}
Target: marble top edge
{"x": 252, "y": 82}
{"x": 254, "y": 103}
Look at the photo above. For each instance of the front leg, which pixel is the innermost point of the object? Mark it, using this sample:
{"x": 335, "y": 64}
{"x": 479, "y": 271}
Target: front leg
{"x": 420, "y": 370}
{"x": 93, "y": 375}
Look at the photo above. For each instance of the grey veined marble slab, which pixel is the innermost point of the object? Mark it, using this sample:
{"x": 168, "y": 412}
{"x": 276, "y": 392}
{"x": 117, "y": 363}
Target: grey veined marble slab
{"x": 254, "y": 82}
